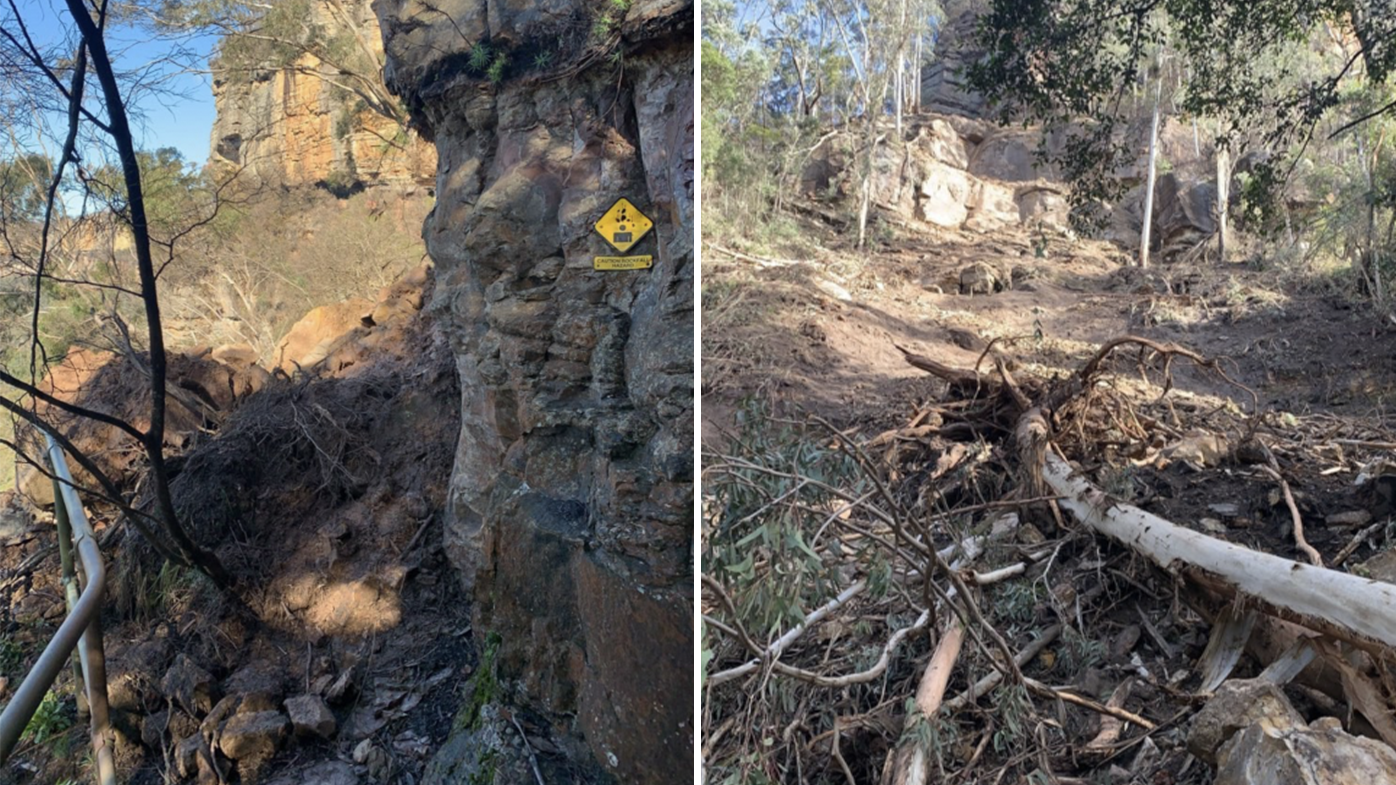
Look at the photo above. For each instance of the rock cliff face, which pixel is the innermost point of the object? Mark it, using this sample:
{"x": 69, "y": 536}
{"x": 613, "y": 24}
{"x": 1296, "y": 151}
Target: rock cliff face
{"x": 571, "y": 510}
{"x": 295, "y": 125}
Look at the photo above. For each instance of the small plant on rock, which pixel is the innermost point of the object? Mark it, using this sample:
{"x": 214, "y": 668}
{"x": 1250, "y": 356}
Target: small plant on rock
{"x": 496, "y": 70}
{"x": 479, "y": 57}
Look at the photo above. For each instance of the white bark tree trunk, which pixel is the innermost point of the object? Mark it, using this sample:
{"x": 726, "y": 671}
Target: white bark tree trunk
{"x": 1356, "y": 609}
{"x": 1147, "y": 229}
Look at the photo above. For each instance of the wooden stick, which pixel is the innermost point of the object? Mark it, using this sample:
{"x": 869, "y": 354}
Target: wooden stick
{"x": 1084, "y": 702}
{"x": 992, "y": 680}
{"x": 1110, "y": 725}
{"x": 931, "y": 691}
{"x": 1299, "y": 540}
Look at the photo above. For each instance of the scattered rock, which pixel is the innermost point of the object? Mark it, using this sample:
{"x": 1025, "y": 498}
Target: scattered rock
{"x": 967, "y": 340}
{"x": 259, "y": 682}
{"x": 342, "y": 688}
{"x": 189, "y": 686}
{"x": 254, "y": 736}
{"x": 834, "y": 290}
{"x": 1349, "y": 520}
{"x": 317, "y": 329}
{"x": 334, "y": 772}
{"x": 1213, "y": 526}
{"x": 1239, "y": 704}
{"x": 186, "y": 756}
{"x": 1199, "y": 447}
{"x": 37, "y": 606}
{"x": 980, "y": 278}
{"x": 373, "y": 758}
{"x": 1321, "y": 754}
{"x": 310, "y": 716}
{"x": 1226, "y": 509}
{"x": 1380, "y": 567}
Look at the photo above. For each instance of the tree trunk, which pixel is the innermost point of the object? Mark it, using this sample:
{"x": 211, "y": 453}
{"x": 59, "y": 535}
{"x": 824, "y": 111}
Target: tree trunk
{"x": 1146, "y": 230}
{"x": 1345, "y": 606}
{"x": 916, "y": 74}
{"x": 154, "y": 437}
{"x": 1223, "y": 197}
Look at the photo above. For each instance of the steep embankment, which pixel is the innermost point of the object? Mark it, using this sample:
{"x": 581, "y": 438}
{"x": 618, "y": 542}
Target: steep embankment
{"x": 569, "y": 517}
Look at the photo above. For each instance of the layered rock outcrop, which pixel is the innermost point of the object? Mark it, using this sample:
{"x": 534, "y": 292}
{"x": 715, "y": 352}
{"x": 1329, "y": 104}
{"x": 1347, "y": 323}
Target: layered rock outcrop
{"x": 570, "y": 516}
{"x": 297, "y": 125}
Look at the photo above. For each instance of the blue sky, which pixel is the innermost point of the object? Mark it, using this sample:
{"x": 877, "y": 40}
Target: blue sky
{"x": 181, "y": 115}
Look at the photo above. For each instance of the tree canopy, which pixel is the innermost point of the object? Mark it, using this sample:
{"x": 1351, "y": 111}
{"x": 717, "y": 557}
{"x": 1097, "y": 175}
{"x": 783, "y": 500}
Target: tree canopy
{"x": 1069, "y": 63}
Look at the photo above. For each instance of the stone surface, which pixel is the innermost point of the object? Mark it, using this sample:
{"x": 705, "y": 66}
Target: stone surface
{"x": 991, "y": 206}
{"x": 1182, "y": 211}
{"x": 253, "y": 736}
{"x": 980, "y": 278}
{"x": 310, "y": 716}
{"x": 1009, "y": 155}
{"x": 574, "y": 463}
{"x": 1043, "y": 207}
{"x": 334, "y": 772}
{"x": 293, "y": 126}
{"x": 187, "y": 756}
{"x": 189, "y": 686}
{"x": 1239, "y": 704}
{"x": 1321, "y": 754}
{"x": 943, "y": 86}
{"x": 480, "y": 754}
{"x": 310, "y": 339}
{"x": 944, "y": 194}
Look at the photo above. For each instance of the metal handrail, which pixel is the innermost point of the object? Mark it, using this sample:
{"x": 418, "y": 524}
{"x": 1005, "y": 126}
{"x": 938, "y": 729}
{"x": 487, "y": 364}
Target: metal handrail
{"x": 82, "y": 630}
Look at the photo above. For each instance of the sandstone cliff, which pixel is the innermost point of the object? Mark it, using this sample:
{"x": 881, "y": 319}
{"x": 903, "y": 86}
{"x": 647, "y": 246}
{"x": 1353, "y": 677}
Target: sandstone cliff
{"x": 297, "y": 124}
{"x": 570, "y": 515}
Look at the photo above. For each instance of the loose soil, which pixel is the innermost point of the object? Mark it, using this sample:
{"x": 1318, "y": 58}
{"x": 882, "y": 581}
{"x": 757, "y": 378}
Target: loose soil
{"x": 1305, "y": 364}
{"x": 324, "y": 494}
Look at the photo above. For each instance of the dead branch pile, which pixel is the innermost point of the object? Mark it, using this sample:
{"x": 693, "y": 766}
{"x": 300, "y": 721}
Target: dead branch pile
{"x": 853, "y": 581}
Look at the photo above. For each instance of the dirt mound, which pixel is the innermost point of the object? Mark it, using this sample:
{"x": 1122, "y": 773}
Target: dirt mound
{"x": 202, "y": 390}
{"x": 323, "y": 494}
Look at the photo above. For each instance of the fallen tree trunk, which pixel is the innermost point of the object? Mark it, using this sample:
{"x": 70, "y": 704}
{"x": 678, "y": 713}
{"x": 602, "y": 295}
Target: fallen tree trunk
{"x": 1355, "y": 609}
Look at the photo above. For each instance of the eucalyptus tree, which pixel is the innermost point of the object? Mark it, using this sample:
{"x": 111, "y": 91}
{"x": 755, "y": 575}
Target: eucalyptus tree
{"x": 1067, "y": 65}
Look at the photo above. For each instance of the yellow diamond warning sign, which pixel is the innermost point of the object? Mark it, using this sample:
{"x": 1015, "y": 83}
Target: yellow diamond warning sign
{"x": 623, "y": 225}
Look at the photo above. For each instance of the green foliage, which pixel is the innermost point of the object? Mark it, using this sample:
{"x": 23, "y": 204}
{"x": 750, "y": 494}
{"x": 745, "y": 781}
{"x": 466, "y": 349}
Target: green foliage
{"x": 24, "y": 187}
{"x": 479, "y": 56}
{"x": 542, "y": 60}
{"x": 283, "y": 33}
{"x": 496, "y": 70}
{"x": 11, "y": 657}
{"x": 761, "y": 552}
{"x": 1064, "y": 63}
{"x": 177, "y": 193}
{"x": 482, "y": 688}
{"x": 1014, "y": 711}
{"x": 50, "y": 720}
{"x": 1079, "y": 652}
